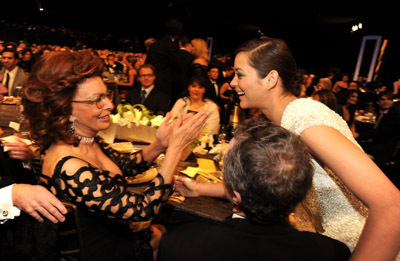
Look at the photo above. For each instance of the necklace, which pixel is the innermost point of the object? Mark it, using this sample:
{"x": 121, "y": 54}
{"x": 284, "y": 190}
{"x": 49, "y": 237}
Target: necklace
{"x": 84, "y": 139}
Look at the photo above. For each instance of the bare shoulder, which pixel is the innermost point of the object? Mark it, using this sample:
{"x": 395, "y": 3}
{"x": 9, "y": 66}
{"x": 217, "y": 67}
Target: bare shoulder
{"x": 56, "y": 153}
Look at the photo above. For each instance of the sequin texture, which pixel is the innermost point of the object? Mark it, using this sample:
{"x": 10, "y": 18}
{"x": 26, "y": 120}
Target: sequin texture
{"x": 343, "y": 215}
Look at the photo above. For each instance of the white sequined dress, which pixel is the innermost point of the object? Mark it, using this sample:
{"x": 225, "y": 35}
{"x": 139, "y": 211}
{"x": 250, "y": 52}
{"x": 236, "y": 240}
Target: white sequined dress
{"x": 343, "y": 215}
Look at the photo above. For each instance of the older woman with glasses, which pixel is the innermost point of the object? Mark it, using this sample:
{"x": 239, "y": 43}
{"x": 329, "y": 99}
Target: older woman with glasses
{"x": 67, "y": 103}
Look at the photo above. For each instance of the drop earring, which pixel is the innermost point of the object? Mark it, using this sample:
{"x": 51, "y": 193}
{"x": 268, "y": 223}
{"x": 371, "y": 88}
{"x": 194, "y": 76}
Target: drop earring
{"x": 72, "y": 129}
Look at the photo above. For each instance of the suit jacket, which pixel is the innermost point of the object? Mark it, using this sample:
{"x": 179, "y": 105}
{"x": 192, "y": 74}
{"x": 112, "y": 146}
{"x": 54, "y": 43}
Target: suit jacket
{"x": 157, "y": 101}
{"x": 24, "y": 238}
{"x": 19, "y": 80}
{"x": 164, "y": 55}
{"x": 239, "y": 239}
{"x": 384, "y": 137}
{"x": 182, "y": 74}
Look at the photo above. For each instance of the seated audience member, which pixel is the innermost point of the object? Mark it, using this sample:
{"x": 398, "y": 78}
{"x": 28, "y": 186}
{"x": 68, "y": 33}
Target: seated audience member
{"x": 327, "y": 97}
{"x": 341, "y": 85}
{"x": 112, "y": 65}
{"x": 131, "y": 73}
{"x": 147, "y": 93}
{"x": 381, "y": 141}
{"x": 81, "y": 168}
{"x": 3, "y": 89}
{"x": 13, "y": 75}
{"x": 213, "y": 90}
{"x": 312, "y": 85}
{"x": 353, "y": 86}
{"x": 267, "y": 172}
{"x": 28, "y": 212}
{"x": 348, "y": 109}
{"x": 195, "y": 100}
{"x": 324, "y": 84}
{"x": 341, "y": 96}
{"x": 27, "y": 60}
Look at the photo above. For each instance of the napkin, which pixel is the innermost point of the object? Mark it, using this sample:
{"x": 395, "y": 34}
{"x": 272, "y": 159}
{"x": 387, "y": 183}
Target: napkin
{"x": 13, "y": 138}
{"x": 190, "y": 171}
{"x": 206, "y": 165}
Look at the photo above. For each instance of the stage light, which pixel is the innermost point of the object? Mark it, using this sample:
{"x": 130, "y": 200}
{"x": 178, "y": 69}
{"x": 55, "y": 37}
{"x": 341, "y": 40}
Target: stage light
{"x": 356, "y": 27}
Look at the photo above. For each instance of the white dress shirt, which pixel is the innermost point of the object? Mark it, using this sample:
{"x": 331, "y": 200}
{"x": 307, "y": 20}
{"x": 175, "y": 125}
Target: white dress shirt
{"x": 12, "y": 75}
{"x": 7, "y": 209}
{"x": 147, "y": 90}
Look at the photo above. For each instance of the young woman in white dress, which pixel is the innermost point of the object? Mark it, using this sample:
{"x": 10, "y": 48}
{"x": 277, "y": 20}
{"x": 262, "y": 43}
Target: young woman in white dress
{"x": 345, "y": 177}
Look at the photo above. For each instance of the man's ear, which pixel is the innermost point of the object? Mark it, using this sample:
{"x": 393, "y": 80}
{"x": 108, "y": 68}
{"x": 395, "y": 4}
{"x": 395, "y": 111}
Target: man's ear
{"x": 237, "y": 199}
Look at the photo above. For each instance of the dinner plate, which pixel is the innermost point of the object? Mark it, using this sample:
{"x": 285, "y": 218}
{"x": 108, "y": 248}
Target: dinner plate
{"x": 143, "y": 177}
{"x": 11, "y": 100}
{"x": 6, "y": 131}
{"x": 123, "y": 147}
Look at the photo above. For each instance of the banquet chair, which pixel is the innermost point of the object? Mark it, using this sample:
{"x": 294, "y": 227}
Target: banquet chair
{"x": 70, "y": 235}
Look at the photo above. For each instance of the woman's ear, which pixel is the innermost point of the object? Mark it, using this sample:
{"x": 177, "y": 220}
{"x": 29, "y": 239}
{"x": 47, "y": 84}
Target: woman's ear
{"x": 271, "y": 80}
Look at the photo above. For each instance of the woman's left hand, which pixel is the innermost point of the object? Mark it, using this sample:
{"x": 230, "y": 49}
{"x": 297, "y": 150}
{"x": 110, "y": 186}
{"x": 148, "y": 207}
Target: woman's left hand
{"x": 162, "y": 134}
{"x": 165, "y": 128}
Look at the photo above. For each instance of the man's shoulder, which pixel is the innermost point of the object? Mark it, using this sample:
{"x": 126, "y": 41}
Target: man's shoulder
{"x": 21, "y": 71}
{"x": 159, "y": 92}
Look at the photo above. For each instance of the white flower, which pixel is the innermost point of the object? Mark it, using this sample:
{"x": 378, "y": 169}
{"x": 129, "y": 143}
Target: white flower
{"x": 128, "y": 115}
{"x": 136, "y": 114}
{"x": 157, "y": 121}
{"x": 115, "y": 118}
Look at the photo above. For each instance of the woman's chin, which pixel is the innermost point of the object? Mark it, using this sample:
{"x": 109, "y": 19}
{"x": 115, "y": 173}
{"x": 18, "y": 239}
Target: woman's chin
{"x": 105, "y": 126}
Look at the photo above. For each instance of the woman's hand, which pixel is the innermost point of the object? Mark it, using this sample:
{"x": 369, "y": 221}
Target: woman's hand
{"x": 164, "y": 131}
{"x": 185, "y": 129}
{"x": 162, "y": 134}
{"x": 185, "y": 187}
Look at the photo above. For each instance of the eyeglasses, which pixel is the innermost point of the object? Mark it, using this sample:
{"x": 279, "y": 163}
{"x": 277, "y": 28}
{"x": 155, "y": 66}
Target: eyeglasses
{"x": 99, "y": 101}
{"x": 146, "y": 75}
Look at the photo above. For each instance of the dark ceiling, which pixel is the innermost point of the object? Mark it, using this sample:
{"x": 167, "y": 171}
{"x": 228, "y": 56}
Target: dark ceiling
{"x": 318, "y": 33}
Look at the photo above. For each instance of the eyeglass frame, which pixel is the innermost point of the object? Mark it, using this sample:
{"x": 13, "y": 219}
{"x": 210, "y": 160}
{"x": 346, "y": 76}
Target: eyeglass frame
{"x": 146, "y": 75}
{"x": 102, "y": 98}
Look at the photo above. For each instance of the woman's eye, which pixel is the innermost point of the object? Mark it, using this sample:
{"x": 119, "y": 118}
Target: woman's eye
{"x": 98, "y": 99}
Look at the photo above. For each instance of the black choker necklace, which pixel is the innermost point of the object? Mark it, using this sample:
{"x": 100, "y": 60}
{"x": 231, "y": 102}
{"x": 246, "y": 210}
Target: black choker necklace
{"x": 84, "y": 139}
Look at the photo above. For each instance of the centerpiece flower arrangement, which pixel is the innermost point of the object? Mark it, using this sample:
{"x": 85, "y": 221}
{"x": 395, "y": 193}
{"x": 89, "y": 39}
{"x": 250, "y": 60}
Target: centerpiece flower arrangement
{"x": 136, "y": 122}
{"x": 136, "y": 114}
{"x": 203, "y": 142}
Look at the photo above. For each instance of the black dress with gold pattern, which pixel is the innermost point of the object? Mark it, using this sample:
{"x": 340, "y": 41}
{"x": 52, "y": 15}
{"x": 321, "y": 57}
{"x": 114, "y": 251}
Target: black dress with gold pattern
{"x": 106, "y": 205}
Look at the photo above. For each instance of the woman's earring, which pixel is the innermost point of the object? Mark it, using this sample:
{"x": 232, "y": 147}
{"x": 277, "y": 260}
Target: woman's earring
{"x": 72, "y": 130}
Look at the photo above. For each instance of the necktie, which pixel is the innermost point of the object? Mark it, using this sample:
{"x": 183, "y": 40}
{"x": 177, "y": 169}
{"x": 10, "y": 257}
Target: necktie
{"x": 381, "y": 114}
{"x": 7, "y": 80}
{"x": 215, "y": 87}
{"x": 143, "y": 96}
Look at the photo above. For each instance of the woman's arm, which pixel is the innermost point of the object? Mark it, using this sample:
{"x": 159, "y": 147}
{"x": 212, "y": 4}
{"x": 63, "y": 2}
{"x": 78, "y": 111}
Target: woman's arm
{"x": 183, "y": 131}
{"x": 132, "y": 76}
{"x": 212, "y": 122}
{"x": 189, "y": 188}
{"x": 224, "y": 87}
{"x": 336, "y": 88}
{"x": 380, "y": 237}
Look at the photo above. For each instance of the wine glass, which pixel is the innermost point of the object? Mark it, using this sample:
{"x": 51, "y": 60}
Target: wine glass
{"x": 222, "y": 135}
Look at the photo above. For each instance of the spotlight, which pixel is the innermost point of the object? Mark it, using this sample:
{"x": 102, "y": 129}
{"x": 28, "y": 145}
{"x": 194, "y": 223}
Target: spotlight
{"x": 356, "y": 27}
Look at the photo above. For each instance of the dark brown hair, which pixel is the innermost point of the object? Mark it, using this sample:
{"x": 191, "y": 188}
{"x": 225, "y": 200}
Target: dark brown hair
{"x": 266, "y": 54}
{"x": 49, "y": 91}
{"x": 328, "y": 98}
{"x": 270, "y": 168}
